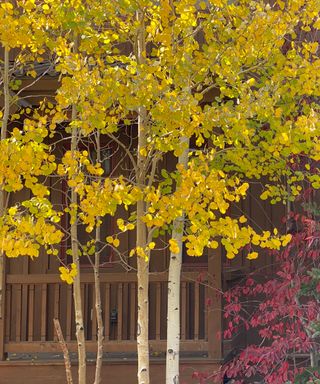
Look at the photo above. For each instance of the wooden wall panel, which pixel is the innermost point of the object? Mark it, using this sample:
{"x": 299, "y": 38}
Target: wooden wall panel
{"x": 120, "y": 372}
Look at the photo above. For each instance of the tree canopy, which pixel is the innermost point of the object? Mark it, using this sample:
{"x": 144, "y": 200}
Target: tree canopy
{"x": 238, "y": 78}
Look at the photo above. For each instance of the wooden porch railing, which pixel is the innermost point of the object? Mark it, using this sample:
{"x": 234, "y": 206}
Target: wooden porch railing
{"x": 33, "y": 301}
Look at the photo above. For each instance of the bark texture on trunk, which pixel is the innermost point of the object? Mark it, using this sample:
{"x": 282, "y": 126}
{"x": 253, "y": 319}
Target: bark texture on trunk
{"x": 97, "y": 290}
{"x": 82, "y": 369}
{"x": 4, "y": 128}
{"x": 142, "y": 264}
{"x": 143, "y": 322}
{"x": 173, "y": 318}
{"x": 6, "y": 94}
{"x": 65, "y": 351}
{"x": 100, "y": 328}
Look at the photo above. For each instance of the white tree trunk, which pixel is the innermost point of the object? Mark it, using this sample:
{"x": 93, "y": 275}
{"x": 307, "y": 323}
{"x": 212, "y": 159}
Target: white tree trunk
{"x": 142, "y": 264}
{"x": 97, "y": 290}
{"x": 77, "y": 301}
{"x": 98, "y": 308}
{"x": 173, "y": 318}
{"x": 3, "y": 203}
{"x": 143, "y": 320}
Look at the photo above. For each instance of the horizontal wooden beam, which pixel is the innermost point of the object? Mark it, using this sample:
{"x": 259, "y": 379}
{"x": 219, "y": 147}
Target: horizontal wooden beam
{"x": 110, "y": 346}
{"x": 89, "y": 278}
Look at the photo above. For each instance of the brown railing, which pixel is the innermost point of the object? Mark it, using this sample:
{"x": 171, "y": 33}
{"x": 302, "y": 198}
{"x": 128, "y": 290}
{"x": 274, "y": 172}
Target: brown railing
{"x": 33, "y": 301}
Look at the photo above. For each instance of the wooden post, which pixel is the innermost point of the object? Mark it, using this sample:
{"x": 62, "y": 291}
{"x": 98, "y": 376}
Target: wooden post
{"x": 2, "y": 310}
{"x": 213, "y": 303}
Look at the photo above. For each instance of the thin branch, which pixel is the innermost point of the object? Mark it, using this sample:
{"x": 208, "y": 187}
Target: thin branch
{"x": 155, "y": 160}
{"x": 119, "y": 142}
{"x": 65, "y": 351}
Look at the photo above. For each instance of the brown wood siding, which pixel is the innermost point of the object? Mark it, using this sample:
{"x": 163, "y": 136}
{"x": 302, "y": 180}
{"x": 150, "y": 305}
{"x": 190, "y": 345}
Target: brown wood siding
{"x": 117, "y": 372}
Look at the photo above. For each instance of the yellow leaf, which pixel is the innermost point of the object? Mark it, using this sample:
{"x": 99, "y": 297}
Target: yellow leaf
{"x": 174, "y": 248}
{"x": 230, "y": 255}
{"x": 243, "y": 189}
{"x": 214, "y": 244}
{"x": 252, "y": 255}
{"x": 12, "y": 211}
{"x": 120, "y": 224}
{"x": 143, "y": 152}
{"x": 251, "y": 81}
{"x": 242, "y": 219}
{"x": 132, "y": 252}
{"x": 286, "y": 240}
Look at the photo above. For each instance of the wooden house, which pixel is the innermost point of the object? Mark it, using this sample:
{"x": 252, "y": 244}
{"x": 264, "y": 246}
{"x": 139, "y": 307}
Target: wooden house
{"x": 34, "y": 295}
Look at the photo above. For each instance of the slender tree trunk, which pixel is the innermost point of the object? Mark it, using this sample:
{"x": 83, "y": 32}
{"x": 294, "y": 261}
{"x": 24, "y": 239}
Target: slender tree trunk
{"x": 173, "y": 318}
{"x": 6, "y": 93}
{"x": 76, "y": 284}
{"x": 143, "y": 312}
{"x": 77, "y": 300}
{"x": 4, "y": 128}
{"x": 142, "y": 264}
{"x": 97, "y": 290}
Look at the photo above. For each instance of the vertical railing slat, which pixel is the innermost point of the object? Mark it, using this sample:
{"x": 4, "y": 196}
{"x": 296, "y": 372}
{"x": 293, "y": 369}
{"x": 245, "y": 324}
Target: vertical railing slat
{"x": 120, "y": 317}
{"x": 107, "y": 313}
{"x": 183, "y": 309}
{"x": 125, "y": 311}
{"x": 206, "y": 307}
{"x": 8, "y": 312}
{"x": 56, "y": 301}
{"x": 24, "y": 314}
{"x": 158, "y": 310}
{"x": 196, "y": 310}
{"x": 30, "y": 312}
{"x": 82, "y": 289}
{"x": 43, "y": 325}
{"x": 132, "y": 311}
{"x": 18, "y": 312}
{"x": 69, "y": 313}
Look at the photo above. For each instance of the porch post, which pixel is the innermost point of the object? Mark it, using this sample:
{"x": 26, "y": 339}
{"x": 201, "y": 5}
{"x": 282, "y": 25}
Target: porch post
{"x": 2, "y": 306}
{"x": 214, "y": 309}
